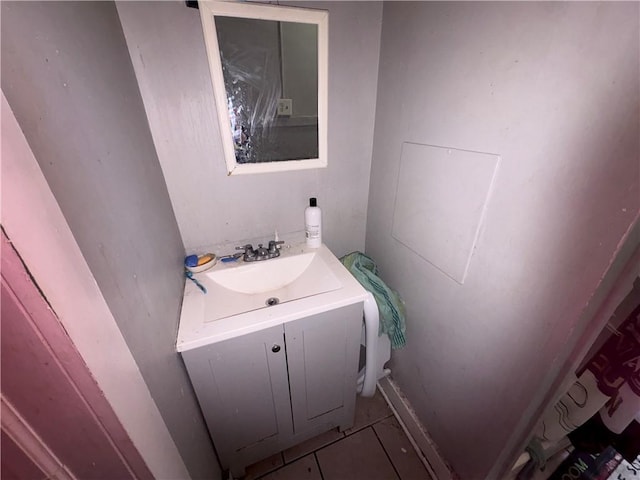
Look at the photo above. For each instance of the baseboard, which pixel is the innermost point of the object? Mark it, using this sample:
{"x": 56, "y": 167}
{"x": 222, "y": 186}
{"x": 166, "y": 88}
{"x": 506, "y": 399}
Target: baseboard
{"x": 414, "y": 429}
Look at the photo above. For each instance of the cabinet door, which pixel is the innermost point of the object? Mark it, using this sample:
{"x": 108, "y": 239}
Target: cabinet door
{"x": 243, "y": 391}
{"x": 322, "y": 356}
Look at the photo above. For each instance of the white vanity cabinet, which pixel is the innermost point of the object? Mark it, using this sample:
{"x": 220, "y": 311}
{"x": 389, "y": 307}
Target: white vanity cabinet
{"x": 265, "y": 391}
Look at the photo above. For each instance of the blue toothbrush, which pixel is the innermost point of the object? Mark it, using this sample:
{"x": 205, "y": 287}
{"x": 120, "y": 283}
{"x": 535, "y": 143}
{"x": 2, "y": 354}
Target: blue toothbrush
{"x": 189, "y": 275}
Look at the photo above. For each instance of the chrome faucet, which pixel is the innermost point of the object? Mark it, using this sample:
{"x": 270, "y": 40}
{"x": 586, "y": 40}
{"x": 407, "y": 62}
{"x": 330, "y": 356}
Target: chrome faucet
{"x": 261, "y": 253}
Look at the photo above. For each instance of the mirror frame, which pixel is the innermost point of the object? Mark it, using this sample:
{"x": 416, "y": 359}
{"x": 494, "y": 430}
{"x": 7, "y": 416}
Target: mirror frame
{"x": 209, "y": 9}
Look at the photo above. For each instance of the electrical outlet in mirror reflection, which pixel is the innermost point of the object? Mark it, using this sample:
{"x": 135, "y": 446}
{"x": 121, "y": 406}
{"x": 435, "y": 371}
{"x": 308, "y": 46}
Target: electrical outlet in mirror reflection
{"x": 285, "y": 107}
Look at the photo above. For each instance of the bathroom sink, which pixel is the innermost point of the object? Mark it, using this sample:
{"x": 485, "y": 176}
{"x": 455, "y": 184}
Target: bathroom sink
{"x": 263, "y": 276}
{"x": 245, "y": 286}
{"x": 245, "y": 296}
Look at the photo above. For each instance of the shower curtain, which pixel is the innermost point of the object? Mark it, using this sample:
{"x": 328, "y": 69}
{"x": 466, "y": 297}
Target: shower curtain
{"x": 602, "y": 407}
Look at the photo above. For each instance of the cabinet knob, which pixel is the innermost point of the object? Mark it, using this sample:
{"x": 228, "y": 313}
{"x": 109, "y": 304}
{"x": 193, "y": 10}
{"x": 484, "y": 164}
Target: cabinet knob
{"x": 275, "y": 348}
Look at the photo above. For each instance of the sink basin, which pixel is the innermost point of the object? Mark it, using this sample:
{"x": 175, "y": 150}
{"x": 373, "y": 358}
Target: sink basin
{"x": 245, "y": 297}
{"x": 263, "y": 276}
{"x": 242, "y": 287}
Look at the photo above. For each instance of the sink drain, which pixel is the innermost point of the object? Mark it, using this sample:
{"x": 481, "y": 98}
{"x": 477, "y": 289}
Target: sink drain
{"x": 272, "y": 301}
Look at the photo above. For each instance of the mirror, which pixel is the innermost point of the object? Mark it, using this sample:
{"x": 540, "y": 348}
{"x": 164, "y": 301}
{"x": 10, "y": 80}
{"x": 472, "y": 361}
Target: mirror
{"x": 269, "y": 71}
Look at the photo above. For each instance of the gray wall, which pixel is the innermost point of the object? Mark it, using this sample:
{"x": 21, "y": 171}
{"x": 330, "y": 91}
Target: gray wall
{"x": 67, "y": 75}
{"x": 553, "y": 88}
{"x": 168, "y": 53}
{"x": 299, "y": 64}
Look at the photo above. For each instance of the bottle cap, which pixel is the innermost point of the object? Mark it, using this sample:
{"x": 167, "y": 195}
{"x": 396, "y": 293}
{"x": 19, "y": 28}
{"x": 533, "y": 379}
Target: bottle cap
{"x": 313, "y": 202}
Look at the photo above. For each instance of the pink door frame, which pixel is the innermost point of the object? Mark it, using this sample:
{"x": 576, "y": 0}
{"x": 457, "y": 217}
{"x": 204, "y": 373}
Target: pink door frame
{"x": 47, "y": 382}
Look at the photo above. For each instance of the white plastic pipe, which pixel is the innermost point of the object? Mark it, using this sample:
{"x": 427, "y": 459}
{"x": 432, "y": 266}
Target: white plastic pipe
{"x": 371, "y": 325}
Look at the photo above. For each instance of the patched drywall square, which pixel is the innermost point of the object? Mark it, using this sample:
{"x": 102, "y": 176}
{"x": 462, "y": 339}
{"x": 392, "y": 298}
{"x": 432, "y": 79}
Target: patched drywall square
{"x": 441, "y": 196}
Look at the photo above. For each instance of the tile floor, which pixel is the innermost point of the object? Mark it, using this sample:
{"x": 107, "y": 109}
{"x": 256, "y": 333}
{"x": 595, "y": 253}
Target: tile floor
{"x": 374, "y": 448}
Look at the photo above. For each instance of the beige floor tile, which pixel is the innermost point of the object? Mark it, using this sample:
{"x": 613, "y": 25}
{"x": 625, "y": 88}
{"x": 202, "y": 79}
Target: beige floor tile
{"x": 369, "y": 411}
{"x": 311, "y": 445}
{"x": 304, "y": 469}
{"x": 356, "y": 457}
{"x": 400, "y": 451}
{"x": 264, "y": 466}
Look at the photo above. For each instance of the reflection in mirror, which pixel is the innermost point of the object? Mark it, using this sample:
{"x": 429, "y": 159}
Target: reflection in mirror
{"x": 270, "y": 84}
{"x": 267, "y": 64}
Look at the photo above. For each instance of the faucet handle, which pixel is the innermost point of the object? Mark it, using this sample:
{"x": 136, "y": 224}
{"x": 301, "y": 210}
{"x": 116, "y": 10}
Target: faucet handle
{"x": 273, "y": 245}
{"x": 248, "y": 251}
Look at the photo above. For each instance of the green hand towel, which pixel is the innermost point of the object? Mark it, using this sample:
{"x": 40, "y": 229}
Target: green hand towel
{"x": 390, "y": 305}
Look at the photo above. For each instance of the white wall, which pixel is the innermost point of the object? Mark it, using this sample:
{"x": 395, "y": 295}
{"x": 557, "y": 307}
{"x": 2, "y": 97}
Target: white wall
{"x": 37, "y": 229}
{"x": 167, "y": 49}
{"x": 67, "y": 75}
{"x": 553, "y": 88}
